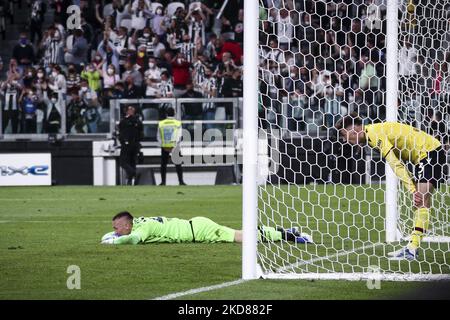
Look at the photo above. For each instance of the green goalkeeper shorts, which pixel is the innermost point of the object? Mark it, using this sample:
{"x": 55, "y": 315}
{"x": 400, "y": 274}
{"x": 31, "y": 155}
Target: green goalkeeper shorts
{"x": 206, "y": 230}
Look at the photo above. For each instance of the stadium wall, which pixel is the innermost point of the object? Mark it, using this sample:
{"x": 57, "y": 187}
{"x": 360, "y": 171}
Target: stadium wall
{"x": 72, "y": 161}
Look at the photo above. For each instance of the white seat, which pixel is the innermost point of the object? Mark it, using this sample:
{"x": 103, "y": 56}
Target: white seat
{"x": 126, "y": 23}
{"x": 108, "y": 10}
{"x": 172, "y": 7}
{"x": 150, "y": 114}
{"x": 220, "y": 113}
{"x": 154, "y": 6}
{"x": 196, "y": 4}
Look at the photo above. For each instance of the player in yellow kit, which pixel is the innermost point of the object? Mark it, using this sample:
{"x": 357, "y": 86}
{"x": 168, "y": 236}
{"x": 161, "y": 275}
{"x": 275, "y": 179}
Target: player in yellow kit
{"x": 400, "y": 143}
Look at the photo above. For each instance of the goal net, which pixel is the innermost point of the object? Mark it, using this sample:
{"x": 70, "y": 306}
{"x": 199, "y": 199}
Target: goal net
{"x": 319, "y": 60}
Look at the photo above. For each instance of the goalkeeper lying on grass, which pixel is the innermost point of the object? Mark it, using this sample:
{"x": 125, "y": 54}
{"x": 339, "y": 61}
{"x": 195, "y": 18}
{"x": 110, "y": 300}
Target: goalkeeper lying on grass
{"x": 129, "y": 230}
{"x": 400, "y": 143}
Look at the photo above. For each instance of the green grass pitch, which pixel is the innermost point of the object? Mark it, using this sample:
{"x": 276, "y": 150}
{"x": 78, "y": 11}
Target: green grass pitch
{"x": 45, "y": 230}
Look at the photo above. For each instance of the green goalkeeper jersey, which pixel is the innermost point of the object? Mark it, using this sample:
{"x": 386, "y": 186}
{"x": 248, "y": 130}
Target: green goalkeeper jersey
{"x": 157, "y": 229}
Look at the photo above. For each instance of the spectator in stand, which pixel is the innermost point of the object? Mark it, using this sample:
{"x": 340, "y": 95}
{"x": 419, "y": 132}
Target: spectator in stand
{"x": 192, "y": 110}
{"x": 92, "y": 75}
{"x": 110, "y": 78}
{"x": 141, "y": 59}
{"x": 131, "y": 71}
{"x": 23, "y": 52}
{"x": 29, "y": 106}
{"x": 139, "y": 14}
{"x": 78, "y": 53}
{"x": 40, "y": 82}
{"x": 227, "y": 45}
{"x": 73, "y": 79}
{"x": 76, "y": 123}
{"x": 58, "y": 83}
{"x": 196, "y": 21}
{"x": 53, "y": 114}
{"x": 158, "y": 47}
{"x": 152, "y": 79}
{"x": 38, "y": 10}
{"x": 165, "y": 86}
{"x": 10, "y": 91}
{"x": 209, "y": 90}
{"x": 60, "y": 7}
{"x": 123, "y": 43}
{"x": 181, "y": 74}
{"x": 53, "y": 47}
{"x": 158, "y": 22}
{"x": 108, "y": 52}
{"x": 132, "y": 90}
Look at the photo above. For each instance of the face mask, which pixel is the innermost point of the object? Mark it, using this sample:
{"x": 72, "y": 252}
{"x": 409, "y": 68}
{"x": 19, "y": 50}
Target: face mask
{"x": 84, "y": 89}
{"x": 146, "y": 35}
{"x": 179, "y": 61}
{"x": 97, "y": 58}
{"x": 110, "y": 71}
{"x": 54, "y": 100}
{"x": 54, "y": 74}
{"x": 40, "y": 75}
{"x": 30, "y": 74}
{"x": 141, "y": 54}
{"x": 151, "y": 65}
{"x": 159, "y": 12}
{"x": 23, "y": 42}
{"x": 293, "y": 75}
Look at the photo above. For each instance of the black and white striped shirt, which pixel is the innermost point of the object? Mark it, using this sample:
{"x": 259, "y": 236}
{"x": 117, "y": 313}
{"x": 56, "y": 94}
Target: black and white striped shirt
{"x": 166, "y": 89}
{"x": 187, "y": 48}
{"x": 199, "y": 73}
{"x": 53, "y": 52}
{"x": 196, "y": 31}
{"x": 11, "y": 94}
{"x": 209, "y": 90}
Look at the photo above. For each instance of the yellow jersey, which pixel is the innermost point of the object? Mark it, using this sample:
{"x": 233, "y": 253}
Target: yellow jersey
{"x": 397, "y": 141}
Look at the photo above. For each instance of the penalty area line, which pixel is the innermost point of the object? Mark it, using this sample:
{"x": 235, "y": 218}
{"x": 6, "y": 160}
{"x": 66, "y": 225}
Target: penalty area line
{"x": 199, "y": 290}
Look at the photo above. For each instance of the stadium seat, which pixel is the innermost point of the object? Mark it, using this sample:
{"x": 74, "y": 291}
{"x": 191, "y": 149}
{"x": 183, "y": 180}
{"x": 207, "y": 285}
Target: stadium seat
{"x": 172, "y": 7}
{"x": 193, "y": 5}
{"x": 220, "y": 113}
{"x": 39, "y": 121}
{"x": 154, "y": 6}
{"x": 126, "y": 23}
{"x": 108, "y": 10}
{"x": 150, "y": 130}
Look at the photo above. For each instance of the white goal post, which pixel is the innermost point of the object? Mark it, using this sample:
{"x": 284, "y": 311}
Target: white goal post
{"x": 307, "y": 64}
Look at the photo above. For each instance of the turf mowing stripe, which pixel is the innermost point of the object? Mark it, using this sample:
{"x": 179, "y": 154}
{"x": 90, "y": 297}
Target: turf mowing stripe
{"x": 200, "y": 290}
{"x": 97, "y": 199}
{"x": 52, "y": 221}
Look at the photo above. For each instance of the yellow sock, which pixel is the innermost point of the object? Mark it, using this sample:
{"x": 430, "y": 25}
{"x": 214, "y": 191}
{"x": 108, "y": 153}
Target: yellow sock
{"x": 421, "y": 222}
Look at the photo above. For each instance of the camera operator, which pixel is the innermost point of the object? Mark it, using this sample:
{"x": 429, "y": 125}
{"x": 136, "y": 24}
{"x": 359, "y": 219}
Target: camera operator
{"x": 130, "y": 136}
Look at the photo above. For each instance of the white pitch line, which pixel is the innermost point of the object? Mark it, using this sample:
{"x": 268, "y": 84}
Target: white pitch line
{"x": 200, "y": 290}
{"x": 232, "y": 283}
{"x": 336, "y": 255}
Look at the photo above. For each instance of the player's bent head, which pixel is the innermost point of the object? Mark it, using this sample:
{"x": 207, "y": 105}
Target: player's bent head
{"x": 170, "y": 112}
{"x": 123, "y": 214}
{"x": 350, "y": 127}
{"x": 122, "y": 223}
